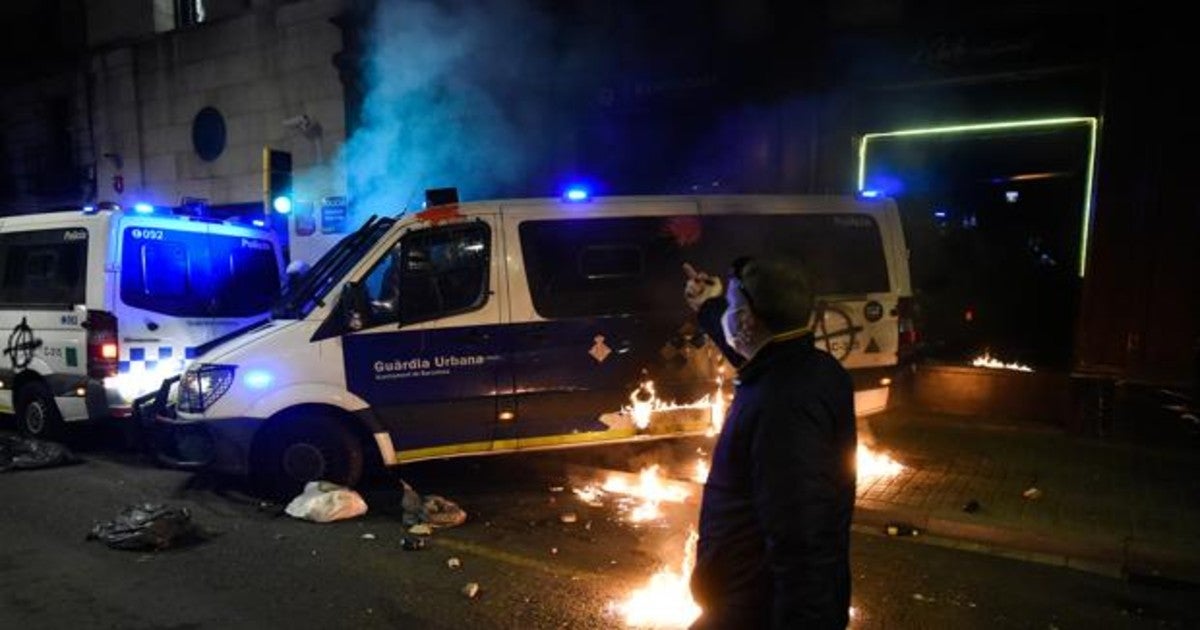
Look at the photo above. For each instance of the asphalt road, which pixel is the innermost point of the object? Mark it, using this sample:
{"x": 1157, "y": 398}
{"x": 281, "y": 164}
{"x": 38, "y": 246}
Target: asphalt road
{"x": 259, "y": 568}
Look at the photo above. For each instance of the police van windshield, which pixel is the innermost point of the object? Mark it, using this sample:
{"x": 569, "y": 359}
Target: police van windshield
{"x": 299, "y": 299}
{"x": 196, "y": 274}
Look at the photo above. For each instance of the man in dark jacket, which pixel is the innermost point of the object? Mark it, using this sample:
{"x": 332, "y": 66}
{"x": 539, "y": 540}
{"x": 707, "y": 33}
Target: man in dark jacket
{"x": 775, "y": 518}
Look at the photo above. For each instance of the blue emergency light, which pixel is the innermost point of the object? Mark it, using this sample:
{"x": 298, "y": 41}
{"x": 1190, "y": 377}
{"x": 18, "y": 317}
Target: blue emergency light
{"x": 259, "y": 223}
{"x": 143, "y": 208}
{"x": 870, "y": 194}
{"x": 576, "y": 194}
{"x": 257, "y": 379}
{"x": 282, "y": 204}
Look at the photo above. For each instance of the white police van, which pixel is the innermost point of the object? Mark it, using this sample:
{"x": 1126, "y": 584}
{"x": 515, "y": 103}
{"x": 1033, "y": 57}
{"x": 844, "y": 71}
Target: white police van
{"x": 502, "y": 326}
{"x": 99, "y": 306}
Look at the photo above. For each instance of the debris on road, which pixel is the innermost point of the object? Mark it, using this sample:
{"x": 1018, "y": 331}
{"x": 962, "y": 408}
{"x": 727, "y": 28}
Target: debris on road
{"x": 324, "y": 502}
{"x": 18, "y": 452}
{"x": 147, "y": 526}
{"x": 556, "y": 488}
{"x": 1033, "y": 494}
{"x": 568, "y": 517}
{"x": 921, "y": 598}
{"x": 421, "y": 529}
{"x": 412, "y": 543}
{"x": 901, "y": 529}
{"x": 470, "y": 590}
{"x": 971, "y": 506}
{"x": 368, "y": 536}
{"x": 454, "y": 563}
{"x": 433, "y": 510}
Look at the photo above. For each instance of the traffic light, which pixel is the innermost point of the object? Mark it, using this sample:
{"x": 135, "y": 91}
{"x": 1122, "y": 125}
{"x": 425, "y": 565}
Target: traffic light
{"x": 277, "y": 180}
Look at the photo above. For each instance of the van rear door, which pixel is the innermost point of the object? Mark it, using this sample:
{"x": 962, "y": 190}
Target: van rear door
{"x": 183, "y": 283}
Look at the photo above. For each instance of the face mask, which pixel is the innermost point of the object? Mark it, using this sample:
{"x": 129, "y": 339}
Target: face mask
{"x": 729, "y": 323}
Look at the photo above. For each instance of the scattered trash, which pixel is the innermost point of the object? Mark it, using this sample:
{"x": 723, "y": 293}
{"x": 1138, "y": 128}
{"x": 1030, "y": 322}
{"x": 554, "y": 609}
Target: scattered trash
{"x": 588, "y": 526}
{"x": 554, "y": 551}
{"x": 921, "y": 598}
{"x": 323, "y": 502}
{"x": 368, "y": 536}
{"x": 569, "y": 517}
{"x": 1032, "y": 494}
{"x": 434, "y": 510}
{"x": 454, "y": 563}
{"x": 442, "y": 513}
{"x": 901, "y": 529}
{"x": 421, "y": 530}
{"x": 470, "y": 590}
{"x": 410, "y": 543}
{"x": 18, "y": 452}
{"x": 556, "y": 488}
{"x": 971, "y": 507}
{"x": 146, "y": 526}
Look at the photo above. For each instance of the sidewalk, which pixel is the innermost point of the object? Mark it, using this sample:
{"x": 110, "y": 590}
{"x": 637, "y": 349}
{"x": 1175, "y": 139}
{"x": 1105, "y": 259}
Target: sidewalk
{"x": 1102, "y": 506}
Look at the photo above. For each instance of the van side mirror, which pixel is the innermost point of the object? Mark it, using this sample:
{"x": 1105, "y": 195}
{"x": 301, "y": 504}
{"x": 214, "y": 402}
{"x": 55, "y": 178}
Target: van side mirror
{"x": 353, "y": 308}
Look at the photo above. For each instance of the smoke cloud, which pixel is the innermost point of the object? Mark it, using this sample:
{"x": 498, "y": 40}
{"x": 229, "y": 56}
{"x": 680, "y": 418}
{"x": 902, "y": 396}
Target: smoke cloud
{"x": 440, "y": 108}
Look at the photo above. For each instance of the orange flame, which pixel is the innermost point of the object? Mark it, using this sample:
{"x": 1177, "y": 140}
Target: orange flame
{"x": 987, "y": 361}
{"x": 872, "y": 465}
{"x": 666, "y": 599}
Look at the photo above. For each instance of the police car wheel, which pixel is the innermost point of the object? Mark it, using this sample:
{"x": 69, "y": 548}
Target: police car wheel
{"x": 37, "y": 413}
{"x": 312, "y": 449}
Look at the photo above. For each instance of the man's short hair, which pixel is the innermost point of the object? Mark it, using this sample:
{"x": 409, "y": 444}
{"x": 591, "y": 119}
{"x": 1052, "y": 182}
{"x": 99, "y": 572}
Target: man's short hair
{"x": 778, "y": 290}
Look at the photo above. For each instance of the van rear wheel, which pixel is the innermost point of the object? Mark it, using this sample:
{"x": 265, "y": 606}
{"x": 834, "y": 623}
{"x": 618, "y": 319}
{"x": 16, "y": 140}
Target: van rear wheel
{"x": 37, "y": 413}
{"x": 309, "y": 448}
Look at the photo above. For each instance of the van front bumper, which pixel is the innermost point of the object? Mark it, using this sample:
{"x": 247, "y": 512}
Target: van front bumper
{"x": 218, "y": 445}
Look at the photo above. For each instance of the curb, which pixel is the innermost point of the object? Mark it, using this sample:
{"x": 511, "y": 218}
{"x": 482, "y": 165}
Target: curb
{"x": 1110, "y": 555}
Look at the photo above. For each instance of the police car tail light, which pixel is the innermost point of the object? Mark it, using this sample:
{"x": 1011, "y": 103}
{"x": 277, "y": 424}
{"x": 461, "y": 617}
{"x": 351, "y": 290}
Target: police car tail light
{"x": 203, "y": 385}
{"x": 102, "y": 346}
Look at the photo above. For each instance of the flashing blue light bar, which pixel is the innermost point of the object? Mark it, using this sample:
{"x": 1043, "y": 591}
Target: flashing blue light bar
{"x": 259, "y": 223}
{"x": 89, "y": 209}
{"x": 257, "y": 379}
{"x": 282, "y": 204}
{"x": 577, "y": 193}
{"x": 870, "y": 194}
{"x": 143, "y": 208}
{"x": 941, "y": 214}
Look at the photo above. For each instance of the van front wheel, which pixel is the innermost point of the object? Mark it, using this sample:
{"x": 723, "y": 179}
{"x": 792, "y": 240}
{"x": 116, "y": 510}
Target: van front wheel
{"x": 313, "y": 448}
{"x": 37, "y": 413}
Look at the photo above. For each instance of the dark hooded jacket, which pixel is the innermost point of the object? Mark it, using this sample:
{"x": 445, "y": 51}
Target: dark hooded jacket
{"x": 775, "y": 518}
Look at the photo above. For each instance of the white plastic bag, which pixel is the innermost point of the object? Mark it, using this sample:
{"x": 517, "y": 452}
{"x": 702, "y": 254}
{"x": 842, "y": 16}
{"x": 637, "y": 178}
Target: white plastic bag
{"x": 322, "y": 502}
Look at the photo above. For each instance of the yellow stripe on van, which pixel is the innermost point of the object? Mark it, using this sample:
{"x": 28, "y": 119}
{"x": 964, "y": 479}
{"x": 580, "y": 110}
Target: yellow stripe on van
{"x": 620, "y": 434}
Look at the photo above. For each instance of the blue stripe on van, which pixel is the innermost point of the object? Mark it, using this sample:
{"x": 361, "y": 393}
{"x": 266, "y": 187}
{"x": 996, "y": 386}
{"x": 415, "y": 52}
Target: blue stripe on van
{"x": 122, "y": 367}
{"x": 150, "y": 365}
{"x": 164, "y": 353}
{"x": 189, "y": 353}
{"x": 137, "y": 354}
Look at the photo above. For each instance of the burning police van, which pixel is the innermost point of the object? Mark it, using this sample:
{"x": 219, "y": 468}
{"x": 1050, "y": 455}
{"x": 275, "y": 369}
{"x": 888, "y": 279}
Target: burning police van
{"x": 502, "y": 326}
{"x": 99, "y": 306}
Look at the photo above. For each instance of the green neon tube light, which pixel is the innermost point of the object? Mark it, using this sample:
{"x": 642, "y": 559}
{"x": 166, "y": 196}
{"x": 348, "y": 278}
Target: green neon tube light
{"x": 1089, "y": 178}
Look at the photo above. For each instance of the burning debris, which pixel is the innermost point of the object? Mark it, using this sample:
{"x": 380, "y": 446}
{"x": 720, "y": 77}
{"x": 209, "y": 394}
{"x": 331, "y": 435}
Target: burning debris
{"x": 873, "y": 466}
{"x": 988, "y": 361}
{"x": 666, "y": 599}
{"x": 645, "y": 405}
{"x": 639, "y": 500}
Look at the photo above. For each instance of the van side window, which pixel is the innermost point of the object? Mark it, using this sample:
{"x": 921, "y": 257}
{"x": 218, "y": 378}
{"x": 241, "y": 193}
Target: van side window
{"x": 603, "y": 266}
{"x": 431, "y": 274}
{"x": 44, "y": 268}
{"x": 844, "y": 252}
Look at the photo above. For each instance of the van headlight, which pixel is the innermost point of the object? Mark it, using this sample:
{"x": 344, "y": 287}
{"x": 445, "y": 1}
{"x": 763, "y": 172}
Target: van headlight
{"x": 203, "y": 385}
